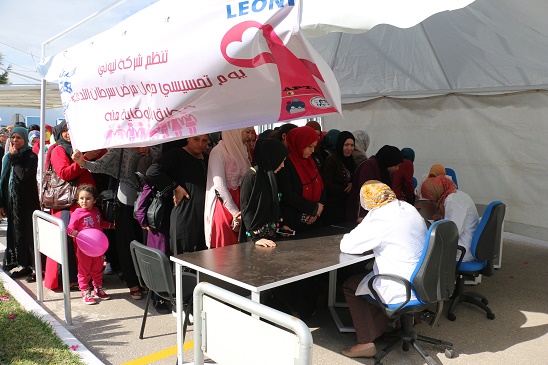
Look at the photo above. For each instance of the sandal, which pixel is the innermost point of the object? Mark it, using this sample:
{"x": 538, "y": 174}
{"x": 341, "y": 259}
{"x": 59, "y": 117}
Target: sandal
{"x": 136, "y": 294}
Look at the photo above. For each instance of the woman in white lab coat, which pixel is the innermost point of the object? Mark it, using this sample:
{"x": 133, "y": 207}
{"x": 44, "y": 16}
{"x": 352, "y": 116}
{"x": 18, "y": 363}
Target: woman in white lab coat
{"x": 396, "y": 232}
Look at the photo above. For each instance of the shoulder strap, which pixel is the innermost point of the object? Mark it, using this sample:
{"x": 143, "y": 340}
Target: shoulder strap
{"x": 48, "y": 155}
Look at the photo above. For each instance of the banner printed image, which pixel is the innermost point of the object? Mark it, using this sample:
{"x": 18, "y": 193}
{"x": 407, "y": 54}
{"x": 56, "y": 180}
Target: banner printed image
{"x": 301, "y": 95}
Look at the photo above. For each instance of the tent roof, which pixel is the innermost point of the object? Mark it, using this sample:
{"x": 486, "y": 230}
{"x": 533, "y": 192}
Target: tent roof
{"x": 490, "y": 46}
{"x": 28, "y": 96}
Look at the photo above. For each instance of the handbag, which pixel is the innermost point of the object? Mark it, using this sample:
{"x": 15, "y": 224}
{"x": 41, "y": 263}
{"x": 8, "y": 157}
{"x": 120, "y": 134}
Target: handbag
{"x": 56, "y": 192}
{"x": 110, "y": 206}
{"x": 156, "y": 211}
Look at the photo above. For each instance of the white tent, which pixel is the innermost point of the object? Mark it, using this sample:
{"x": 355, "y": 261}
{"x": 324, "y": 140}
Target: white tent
{"x": 466, "y": 88}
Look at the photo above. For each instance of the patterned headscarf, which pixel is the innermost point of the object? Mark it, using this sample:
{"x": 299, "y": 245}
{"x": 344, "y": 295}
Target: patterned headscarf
{"x": 362, "y": 140}
{"x": 374, "y": 194}
{"x": 437, "y": 189}
{"x": 437, "y": 170}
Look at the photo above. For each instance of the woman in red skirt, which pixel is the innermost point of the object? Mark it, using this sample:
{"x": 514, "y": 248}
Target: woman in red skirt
{"x": 228, "y": 162}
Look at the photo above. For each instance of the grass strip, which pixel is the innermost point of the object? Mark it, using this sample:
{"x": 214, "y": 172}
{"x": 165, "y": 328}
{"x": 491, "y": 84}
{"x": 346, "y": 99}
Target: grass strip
{"x": 26, "y": 339}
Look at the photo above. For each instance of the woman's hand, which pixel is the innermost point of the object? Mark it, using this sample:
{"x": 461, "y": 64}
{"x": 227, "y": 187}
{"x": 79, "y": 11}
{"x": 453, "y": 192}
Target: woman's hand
{"x": 348, "y": 188}
{"x": 12, "y": 149}
{"x": 2, "y": 212}
{"x": 179, "y": 194}
{"x": 320, "y": 209}
{"x": 286, "y": 228}
{"x": 236, "y": 221}
{"x": 78, "y": 157}
{"x": 265, "y": 243}
{"x": 74, "y": 233}
{"x": 310, "y": 219}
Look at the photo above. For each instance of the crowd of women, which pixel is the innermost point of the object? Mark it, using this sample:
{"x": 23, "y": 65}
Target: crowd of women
{"x": 237, "y": 187}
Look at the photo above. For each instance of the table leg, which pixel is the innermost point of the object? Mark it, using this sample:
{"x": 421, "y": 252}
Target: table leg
{"x": 179, "y": 309}
{"x": 332, "y": 303}
{"x": 256, "y": 297}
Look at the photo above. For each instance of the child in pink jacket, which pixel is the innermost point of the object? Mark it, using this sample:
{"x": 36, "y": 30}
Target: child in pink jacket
{"x": 89, "y": 268}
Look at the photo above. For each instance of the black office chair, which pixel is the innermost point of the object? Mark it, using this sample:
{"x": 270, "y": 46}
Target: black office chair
{"x": 154, "y": 272}
{"x": 433, "y": 282}
{"x": 485, "y": 249}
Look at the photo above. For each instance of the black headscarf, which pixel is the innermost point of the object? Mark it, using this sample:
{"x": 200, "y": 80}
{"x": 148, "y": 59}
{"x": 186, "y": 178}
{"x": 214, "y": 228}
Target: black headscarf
{"x": 348, "y": 162}
{"x": 57, "y": 132}
{"x": 388, "y": 156}
{"x": 263, "y": 206}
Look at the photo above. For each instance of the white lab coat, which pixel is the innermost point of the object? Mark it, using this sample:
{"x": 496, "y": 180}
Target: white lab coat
{"x": 396, "y": 233}
{"x": 460, "y": 208}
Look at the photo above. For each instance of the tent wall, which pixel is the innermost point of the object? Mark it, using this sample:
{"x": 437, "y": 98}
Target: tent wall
{"x": 496, "y": 144}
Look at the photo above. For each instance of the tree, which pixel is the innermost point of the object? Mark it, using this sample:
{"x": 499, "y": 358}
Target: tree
{"x": 4, "y": 75}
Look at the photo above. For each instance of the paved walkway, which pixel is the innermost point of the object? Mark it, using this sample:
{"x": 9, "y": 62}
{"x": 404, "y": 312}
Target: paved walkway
{"x": 107, "y": 333}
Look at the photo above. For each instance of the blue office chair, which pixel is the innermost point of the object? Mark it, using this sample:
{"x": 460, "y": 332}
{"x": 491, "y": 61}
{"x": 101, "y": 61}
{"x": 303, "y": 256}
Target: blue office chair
{"x": 485, "y": 249}
{"x": 433, "y": 282}
{"x": 449, "y": 171}
{"x": 415, "y": 182}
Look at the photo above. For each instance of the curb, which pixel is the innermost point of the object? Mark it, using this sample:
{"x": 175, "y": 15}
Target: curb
{"x": 27, "y": 302}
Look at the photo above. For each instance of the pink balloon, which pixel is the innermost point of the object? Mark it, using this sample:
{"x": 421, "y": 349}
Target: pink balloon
{"x": 93, "y": 242}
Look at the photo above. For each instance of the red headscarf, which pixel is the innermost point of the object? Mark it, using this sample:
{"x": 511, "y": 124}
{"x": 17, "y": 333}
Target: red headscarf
{"x": 297, "y": 140}
{"x": 437, "y": 189}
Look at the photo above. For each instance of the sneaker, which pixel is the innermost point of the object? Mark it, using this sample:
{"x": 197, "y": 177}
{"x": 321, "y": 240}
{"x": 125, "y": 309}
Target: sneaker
{"x": 100, "y": 293}
{"x": 108, "y": 269}
{"x": 87, "y": 298}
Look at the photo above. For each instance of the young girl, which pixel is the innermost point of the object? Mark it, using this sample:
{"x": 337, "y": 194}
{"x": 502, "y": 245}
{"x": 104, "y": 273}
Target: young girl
{"x": 89, "y": 268}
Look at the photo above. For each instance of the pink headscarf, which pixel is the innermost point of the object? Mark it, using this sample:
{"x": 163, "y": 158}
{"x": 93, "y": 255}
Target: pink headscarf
{"x": 236, "y": 157}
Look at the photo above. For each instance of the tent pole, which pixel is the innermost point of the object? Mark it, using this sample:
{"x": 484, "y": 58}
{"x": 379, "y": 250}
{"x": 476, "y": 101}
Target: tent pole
{"x": 85, "y": 20}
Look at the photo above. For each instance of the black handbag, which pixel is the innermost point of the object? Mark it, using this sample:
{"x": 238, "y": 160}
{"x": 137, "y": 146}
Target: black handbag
{"x": 110, "y": 206}
{"x": 156, "y": 212}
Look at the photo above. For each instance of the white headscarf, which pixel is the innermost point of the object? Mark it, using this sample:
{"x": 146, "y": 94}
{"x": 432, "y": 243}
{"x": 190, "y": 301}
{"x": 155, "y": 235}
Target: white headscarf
{"x": 235, "y": 156}
{"x": 232, "y": 151}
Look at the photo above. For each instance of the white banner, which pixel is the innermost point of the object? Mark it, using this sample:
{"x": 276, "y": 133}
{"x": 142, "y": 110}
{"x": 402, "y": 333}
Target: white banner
{"x": 181, "y": 68}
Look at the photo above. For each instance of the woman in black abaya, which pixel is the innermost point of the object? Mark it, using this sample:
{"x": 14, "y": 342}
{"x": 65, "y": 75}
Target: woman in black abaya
{"x": 259, "y": 201}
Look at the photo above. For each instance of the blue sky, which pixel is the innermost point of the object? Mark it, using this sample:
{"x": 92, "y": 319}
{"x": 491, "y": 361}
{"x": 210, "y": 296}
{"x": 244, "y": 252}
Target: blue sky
{"x": 26, "y": 24}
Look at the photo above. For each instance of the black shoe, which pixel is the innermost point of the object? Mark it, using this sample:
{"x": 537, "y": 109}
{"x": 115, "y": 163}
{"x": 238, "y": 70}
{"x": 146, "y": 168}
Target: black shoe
{"x": 162, "y": 307}
{"x": 8, "y": 267}
{"x": 31, "y": 278}
{"x": 20, "y": 273}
